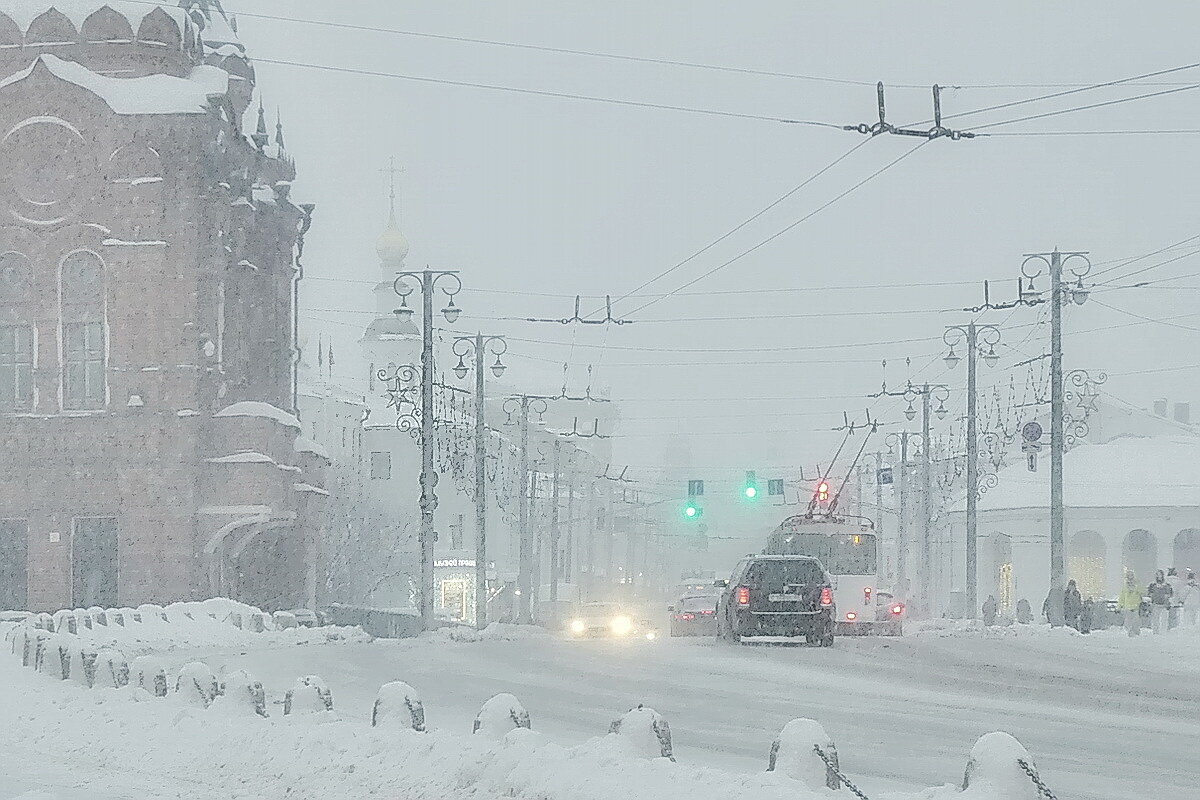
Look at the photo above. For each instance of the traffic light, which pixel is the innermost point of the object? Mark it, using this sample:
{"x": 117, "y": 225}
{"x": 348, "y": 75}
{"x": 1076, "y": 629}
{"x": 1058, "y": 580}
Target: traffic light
{"x": 692, "y": 510}
{"x": 823, "y": 491}
{"x": 750, "y": 487}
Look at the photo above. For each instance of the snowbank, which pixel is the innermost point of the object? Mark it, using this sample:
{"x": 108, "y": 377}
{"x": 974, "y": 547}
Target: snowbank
{"x": 495, "y": 632}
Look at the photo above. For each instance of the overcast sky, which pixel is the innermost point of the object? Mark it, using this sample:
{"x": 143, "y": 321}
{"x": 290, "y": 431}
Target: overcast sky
{"x": 553, "y": 197}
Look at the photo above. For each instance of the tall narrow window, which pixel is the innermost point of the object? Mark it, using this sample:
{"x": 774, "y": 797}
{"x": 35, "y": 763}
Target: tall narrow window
{"x": 381, "y": 466}
{"x": 16, "y": 334}
{"x": 84, "y": 337}
{"x": 14, "y": 574}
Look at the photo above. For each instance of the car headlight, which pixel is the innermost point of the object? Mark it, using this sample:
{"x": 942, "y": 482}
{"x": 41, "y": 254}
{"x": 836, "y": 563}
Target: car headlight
{"x": 621, "y": 625}
{"x": 577, "y": 626}
{"x": 651, "y": 635}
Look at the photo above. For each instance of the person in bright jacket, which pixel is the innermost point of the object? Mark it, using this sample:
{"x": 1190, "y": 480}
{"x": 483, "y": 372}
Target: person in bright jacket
{"x": 1130, "y": 603}
{"x": 1159, "y": 593}
{"x": 1072, "y": 605}
{"x": 1190, "y": 599}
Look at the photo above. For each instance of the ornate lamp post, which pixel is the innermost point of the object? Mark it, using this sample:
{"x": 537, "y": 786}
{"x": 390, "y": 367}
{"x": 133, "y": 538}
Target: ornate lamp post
{"x": 405, "y": 284}
{"x": 980, "y": 340}
{"x": 1060, "y": 295}
{"x": 892, "y": 440}
{"x": 479, "y": 347}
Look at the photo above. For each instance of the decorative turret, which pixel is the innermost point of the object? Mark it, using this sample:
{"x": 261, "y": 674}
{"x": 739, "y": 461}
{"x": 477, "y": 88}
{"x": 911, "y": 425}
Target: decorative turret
{"x": 260, "y": 136}
{"x": 392, "y": 247}
{"x": 279, "y": 134}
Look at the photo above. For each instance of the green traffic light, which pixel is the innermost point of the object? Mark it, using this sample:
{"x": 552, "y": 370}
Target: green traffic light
{"x": 751, "y": 492}
{"x": 690, "y": 511}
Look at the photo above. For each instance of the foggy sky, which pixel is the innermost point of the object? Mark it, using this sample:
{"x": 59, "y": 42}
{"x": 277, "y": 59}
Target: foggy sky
{"x": 552, "y": 196}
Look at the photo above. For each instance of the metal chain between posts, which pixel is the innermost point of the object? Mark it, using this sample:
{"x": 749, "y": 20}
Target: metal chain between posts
{"x": 1043, "y": 789}
{"x": 829, "y": 764}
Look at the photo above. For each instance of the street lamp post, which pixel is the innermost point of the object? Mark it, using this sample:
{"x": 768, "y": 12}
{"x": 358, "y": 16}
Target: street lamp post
{"x": 892, "y": 440}
{"x": 523, "y": 404}
{"x": 479, "y": 347}
{"x": 976, "y": 337}
{"x": 1060, "y": 295}
{"x": 426, "y": 280}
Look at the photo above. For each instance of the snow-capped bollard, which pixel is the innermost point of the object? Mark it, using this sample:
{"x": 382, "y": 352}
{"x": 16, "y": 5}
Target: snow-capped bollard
{"x": 794, "y": 754}
{"x": 45, "y": 622}
{"x": 309, "y": 695}
{"x": 147, "y": 673}
{"x": 54, "y": 657}
{"x": 98, "y": 616}
{"x": 499, "y": 716}
{"x": 196, "y": 685}
{"x": 995, "y": 768}
{"x": 29, "y": 651}
{"x": 241, "y": 696}
{"x": 75, "y": 668}
{"x": 399, "y": 707}
{"x": 284, "y": 620}
{"x": 112, "y": 670}
{"x": 645, "y": 732}
{"x": 64, "y": 622}
{"x": 152, "y": 613}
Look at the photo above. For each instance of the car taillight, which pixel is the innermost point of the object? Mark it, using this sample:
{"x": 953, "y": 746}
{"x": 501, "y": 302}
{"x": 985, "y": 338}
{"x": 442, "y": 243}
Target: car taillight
{"x": 898, "y": 609}
{"x": 851, "y": 616}
{"x": 707, "y": 613}
{"x": 867, "y": 595}
{"x": 826, "y": 597}
{"x": 743, "y": 595}
{"x": 687, "y": 617}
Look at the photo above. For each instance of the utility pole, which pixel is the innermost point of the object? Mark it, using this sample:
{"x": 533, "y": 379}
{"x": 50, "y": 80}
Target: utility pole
{"x": 569, "y": 550}
{"x": 555, "y": 557}
{"x": 426, "y": 280}
{"x": 878, "y": 503}
{"x": 902, "y": 521}
{"x": 479, "y": 346}
{"x": 1059, "y": 296}
{"x": 926, "y": 510}
{"x": 523, "y": 404}
{"x": 972, "y": 333}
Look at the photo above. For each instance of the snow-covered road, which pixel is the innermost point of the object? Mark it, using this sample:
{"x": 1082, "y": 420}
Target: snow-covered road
{"x": 1106, "y": 717}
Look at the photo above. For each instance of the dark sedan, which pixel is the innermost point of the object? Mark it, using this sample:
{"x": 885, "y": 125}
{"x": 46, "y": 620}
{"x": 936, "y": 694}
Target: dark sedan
{"x": 694, "y": 616}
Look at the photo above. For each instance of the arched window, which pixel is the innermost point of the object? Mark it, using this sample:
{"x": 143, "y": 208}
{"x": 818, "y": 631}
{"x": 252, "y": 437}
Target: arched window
{"x": 16, "y": 334}
{"x": 83, "y": 332}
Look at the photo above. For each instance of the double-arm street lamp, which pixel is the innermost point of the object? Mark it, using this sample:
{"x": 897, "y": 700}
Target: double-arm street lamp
{"x": 479, "y": 347}
{"x": 980, "y": 340}
{"x": 404, "y": 285}
{"x": 1061, "y": 293}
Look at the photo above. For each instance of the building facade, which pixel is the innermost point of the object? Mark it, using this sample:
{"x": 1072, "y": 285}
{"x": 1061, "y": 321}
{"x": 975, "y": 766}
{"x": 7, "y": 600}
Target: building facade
{"x": 148, "y": 269}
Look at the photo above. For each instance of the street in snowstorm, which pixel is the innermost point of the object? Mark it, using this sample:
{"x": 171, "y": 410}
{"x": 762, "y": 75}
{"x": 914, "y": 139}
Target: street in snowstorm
{"x": 577, "y": 401}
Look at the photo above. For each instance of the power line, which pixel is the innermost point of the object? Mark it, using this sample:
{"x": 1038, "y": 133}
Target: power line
{"x": 1163, "y": 132}
{"x": 1147, "y": 319}
{"x": 543, "y": 93}
{"x": 746, "y": 222}
{"x": 1119, "y": 263}
{"x": 789, "y": 227}
{"x": 1129, "y": 275}
{"x": 1088, "y": 107}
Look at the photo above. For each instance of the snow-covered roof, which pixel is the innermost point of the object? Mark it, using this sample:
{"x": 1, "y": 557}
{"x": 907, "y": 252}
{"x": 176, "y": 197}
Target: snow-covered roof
{"x": 24, "y": 12}
{"x": 152, "y": 94}
{"x": 1129, "y": 471}
{"x": 243, "y": 458}
{"x": 303, "y": 445}
{"x": 255, "y": 408}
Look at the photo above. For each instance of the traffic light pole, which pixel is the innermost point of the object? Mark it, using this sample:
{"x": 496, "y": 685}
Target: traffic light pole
{"x": 1057, "y": 522}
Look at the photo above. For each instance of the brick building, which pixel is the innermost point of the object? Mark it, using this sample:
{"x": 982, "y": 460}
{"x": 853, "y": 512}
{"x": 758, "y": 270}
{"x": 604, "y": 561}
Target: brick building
{"x": 148, "y": 269}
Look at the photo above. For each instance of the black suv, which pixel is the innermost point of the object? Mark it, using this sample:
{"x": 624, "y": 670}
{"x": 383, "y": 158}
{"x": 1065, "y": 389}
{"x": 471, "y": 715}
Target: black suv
{"x": 776, "y": 596}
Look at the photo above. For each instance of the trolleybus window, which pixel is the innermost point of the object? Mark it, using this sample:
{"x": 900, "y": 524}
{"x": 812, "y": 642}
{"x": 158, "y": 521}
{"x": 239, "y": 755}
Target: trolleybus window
{"x": 841, "y": 554}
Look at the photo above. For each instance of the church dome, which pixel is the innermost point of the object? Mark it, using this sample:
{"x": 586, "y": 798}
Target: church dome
{"x": 392, "y": 247}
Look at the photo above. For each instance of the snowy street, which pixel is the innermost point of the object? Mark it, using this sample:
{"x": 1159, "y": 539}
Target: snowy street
{"x": 904, "y": 712}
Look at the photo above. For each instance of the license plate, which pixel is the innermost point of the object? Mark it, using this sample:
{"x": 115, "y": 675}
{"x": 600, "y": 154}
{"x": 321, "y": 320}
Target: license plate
{"x": 785, "y": 598}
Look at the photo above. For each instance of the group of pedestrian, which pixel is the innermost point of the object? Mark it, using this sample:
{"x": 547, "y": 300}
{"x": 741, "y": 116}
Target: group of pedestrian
{"x": 1169, "y": 601}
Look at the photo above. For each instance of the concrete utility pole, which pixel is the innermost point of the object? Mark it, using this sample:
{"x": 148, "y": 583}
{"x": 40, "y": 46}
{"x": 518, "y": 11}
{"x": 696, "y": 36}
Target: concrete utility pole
{"x": 522, "y": 404}
{"x": 555, "y": 557}
{"x": 878, "y": 500}
{"x": 426, "y": 281}
{"x": 478, "y": 346}
{"x": 1059, "y": 296}
{"x": 926, "y": 510}
{"x": 972, "y": 333}
{"x": 902, "y": 522}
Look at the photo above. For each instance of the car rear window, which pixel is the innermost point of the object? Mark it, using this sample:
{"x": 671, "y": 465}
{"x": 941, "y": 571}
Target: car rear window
{"x": 698, "y": 604}
{"x": 777, "y": 574}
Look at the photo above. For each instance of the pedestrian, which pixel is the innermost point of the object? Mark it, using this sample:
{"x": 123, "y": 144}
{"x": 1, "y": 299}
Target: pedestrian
{"x": 1024, "y": 612}
{"x": 1159, "y": 593}
{"x": 1087, "y": 616}
{"x": 1072, "y": 605}
{"x": 990, "y": 607}
{"x": 1177, "y": 584}
{"x": 1130, "y": 604}
{"x": 1046, "y": 606}
{"x": 1191, "y": 601}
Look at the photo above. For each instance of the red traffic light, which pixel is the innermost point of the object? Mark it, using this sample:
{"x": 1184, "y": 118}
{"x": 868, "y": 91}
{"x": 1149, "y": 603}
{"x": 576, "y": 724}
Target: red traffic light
{"x": 823, "y": 491}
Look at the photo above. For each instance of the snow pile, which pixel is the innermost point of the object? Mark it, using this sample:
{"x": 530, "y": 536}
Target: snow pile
{"x": 501, "y": 715}
{"x": 398, "y": 707}
{"x": 495, "y": 632}
{"x": 255, "y": 408}
{"x": 227, "y": 742}
{"x": 968, "y": 628}
{"x": 794, "y": 754}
